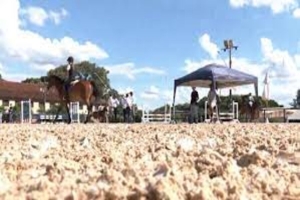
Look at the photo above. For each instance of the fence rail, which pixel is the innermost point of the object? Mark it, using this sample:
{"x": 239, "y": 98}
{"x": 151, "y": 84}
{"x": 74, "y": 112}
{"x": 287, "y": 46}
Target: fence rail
{"x": 157, "y": 117}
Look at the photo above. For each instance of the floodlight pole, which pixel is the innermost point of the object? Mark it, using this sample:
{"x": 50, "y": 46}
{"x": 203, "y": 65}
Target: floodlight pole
{"x": 228, "y": 44}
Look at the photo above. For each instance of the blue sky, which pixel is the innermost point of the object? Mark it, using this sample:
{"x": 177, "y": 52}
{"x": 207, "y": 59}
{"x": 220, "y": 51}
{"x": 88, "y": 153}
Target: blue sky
{"x": 157, "y": 41}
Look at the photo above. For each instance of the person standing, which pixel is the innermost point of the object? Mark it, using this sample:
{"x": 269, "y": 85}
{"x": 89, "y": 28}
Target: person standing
{"x": 124, "y": 107}
{"x": 132, "y": 109}
{"x": 10, "y": 113}
{"x": 115, "y": 103}
{"x": 110, "y": 106}
{"x": 128, "y": 108}
{"x": 194, "y": 106}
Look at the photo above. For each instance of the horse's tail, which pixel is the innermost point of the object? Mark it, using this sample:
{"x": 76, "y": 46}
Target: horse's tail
{"x": 96, "y": 92}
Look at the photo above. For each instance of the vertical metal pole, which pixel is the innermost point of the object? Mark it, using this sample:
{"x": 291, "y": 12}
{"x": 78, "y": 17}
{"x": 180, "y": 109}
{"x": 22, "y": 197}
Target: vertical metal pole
{"x": 22, "y": 112}
{"x": 44, "y": 102}
{"x": 71, "y": 111}
{"x": 78, "y": 116}
{"x": 205, "y": 110}
{"x": 30, "y": 117}
{"x": 230, "y": 64}
{"x": 237, "y": 110}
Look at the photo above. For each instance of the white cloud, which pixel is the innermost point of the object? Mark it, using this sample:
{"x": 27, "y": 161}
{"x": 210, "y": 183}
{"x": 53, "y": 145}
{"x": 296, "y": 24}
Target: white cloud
{"x": 283, "y": 65}
{"x": 38, "y": 15}
{"x": 154, "y": 97}
{"x": 57, "y": 16}
{"x": 35, "y": 50}
{"x": 122, "y": 90}
{"x": 130, "y": 70}
{"x": 277, "y": 6}
{"x": 208, "y": 46}
{"x": 151, "y": 94}
{"x": 296, "y": 13}
{"x": 35, "y": 15}
{"x": 11, "y": 76}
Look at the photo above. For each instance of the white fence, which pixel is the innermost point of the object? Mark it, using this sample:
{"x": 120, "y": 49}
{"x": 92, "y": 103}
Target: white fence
{"x": 228, "y": 116}
{"x": 157, "y": 117}
{"x": 74, "y": 112}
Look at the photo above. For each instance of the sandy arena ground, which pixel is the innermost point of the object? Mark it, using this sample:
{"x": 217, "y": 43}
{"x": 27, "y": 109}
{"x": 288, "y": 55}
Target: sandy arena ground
{"x": 118, "y": 161}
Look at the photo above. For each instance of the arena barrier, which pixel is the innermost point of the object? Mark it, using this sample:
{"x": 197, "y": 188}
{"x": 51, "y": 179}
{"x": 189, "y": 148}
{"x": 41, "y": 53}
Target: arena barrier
{"x": 157, "y": 117}
{"x": 228, "y": 116}
{"x": 280, "y": 114}
{"x": 45, "y": 119}
{"x": 74, "y": 112}
{"x": 26, "y": 116}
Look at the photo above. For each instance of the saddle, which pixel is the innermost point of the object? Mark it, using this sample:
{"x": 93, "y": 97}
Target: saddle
{"x": 77, "y": 76}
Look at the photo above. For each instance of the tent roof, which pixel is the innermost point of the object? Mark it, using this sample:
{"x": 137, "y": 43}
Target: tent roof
{"x": 222, "y": 75}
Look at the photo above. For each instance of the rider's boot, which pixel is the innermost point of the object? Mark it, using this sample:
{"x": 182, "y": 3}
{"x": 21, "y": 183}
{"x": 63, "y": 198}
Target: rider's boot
{"x": 66, "y": 96}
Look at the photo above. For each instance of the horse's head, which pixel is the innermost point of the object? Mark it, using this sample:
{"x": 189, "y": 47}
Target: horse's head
{"x": 54, "y": 80}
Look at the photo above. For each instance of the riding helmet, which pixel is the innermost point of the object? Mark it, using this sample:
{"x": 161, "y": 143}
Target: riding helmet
{"x": 70, "y": 59}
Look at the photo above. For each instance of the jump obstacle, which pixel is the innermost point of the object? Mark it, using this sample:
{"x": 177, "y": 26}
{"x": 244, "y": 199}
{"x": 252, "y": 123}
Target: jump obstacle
{"x": 228, "y": 116}
{"x": 165, "y": 117}
{"x": 26, "y": 116}
{"x": 26, "y": 113}
{"x": 74, "y": 112}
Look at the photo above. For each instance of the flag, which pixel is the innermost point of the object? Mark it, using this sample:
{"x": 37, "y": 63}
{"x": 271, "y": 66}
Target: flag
{"x": 266, "y": 91}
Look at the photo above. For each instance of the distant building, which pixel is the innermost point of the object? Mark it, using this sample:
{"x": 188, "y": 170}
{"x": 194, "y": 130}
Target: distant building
{"x": 12, "y": 93}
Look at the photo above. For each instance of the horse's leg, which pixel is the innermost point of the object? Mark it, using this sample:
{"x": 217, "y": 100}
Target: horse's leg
{"x": 68, "y": 112}
{"x": 89, "y": 107}
{"x": 211, "y": 113}
{"x": 251, "y": 115}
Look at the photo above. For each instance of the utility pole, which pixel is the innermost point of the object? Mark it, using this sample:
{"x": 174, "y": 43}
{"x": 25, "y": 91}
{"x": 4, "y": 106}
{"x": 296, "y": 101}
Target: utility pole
{"x": 228, "y": 44}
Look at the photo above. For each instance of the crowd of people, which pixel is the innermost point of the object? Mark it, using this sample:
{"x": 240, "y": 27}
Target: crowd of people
{"x": 7, "y": 114}
{"x": 126, "y": 102}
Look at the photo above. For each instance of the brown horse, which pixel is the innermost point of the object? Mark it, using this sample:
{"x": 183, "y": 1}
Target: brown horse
{"x": 80, "y": 90}
{"x": 249, "y": 108}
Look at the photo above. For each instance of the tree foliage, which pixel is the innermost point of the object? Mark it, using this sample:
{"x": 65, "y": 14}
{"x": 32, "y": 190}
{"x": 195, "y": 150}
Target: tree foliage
{"x": 296, "y": 101}
{"x": 32, "y": 80}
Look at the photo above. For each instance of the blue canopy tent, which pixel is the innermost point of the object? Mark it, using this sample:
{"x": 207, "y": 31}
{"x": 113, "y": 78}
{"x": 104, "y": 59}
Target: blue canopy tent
{"x": 221, "y": 76}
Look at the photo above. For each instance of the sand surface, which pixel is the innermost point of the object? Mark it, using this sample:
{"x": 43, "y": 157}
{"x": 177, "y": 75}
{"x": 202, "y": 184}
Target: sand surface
{"x": 118, "y": 161}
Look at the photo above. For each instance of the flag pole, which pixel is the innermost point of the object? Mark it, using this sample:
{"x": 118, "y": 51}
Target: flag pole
{"x": 266, "y": 93}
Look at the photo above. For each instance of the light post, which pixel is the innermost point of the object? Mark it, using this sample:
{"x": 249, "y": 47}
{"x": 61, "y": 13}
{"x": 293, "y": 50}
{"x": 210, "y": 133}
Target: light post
{"x": 228, "y": 44}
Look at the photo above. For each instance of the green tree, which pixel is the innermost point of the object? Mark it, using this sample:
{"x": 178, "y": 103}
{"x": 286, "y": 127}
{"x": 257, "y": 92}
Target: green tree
{"x": 296, "y": 101}
{"x": 33, "y": 80}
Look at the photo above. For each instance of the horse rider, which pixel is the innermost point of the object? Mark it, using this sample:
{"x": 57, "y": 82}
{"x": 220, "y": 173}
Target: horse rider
{"x": 70, "y": 72}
